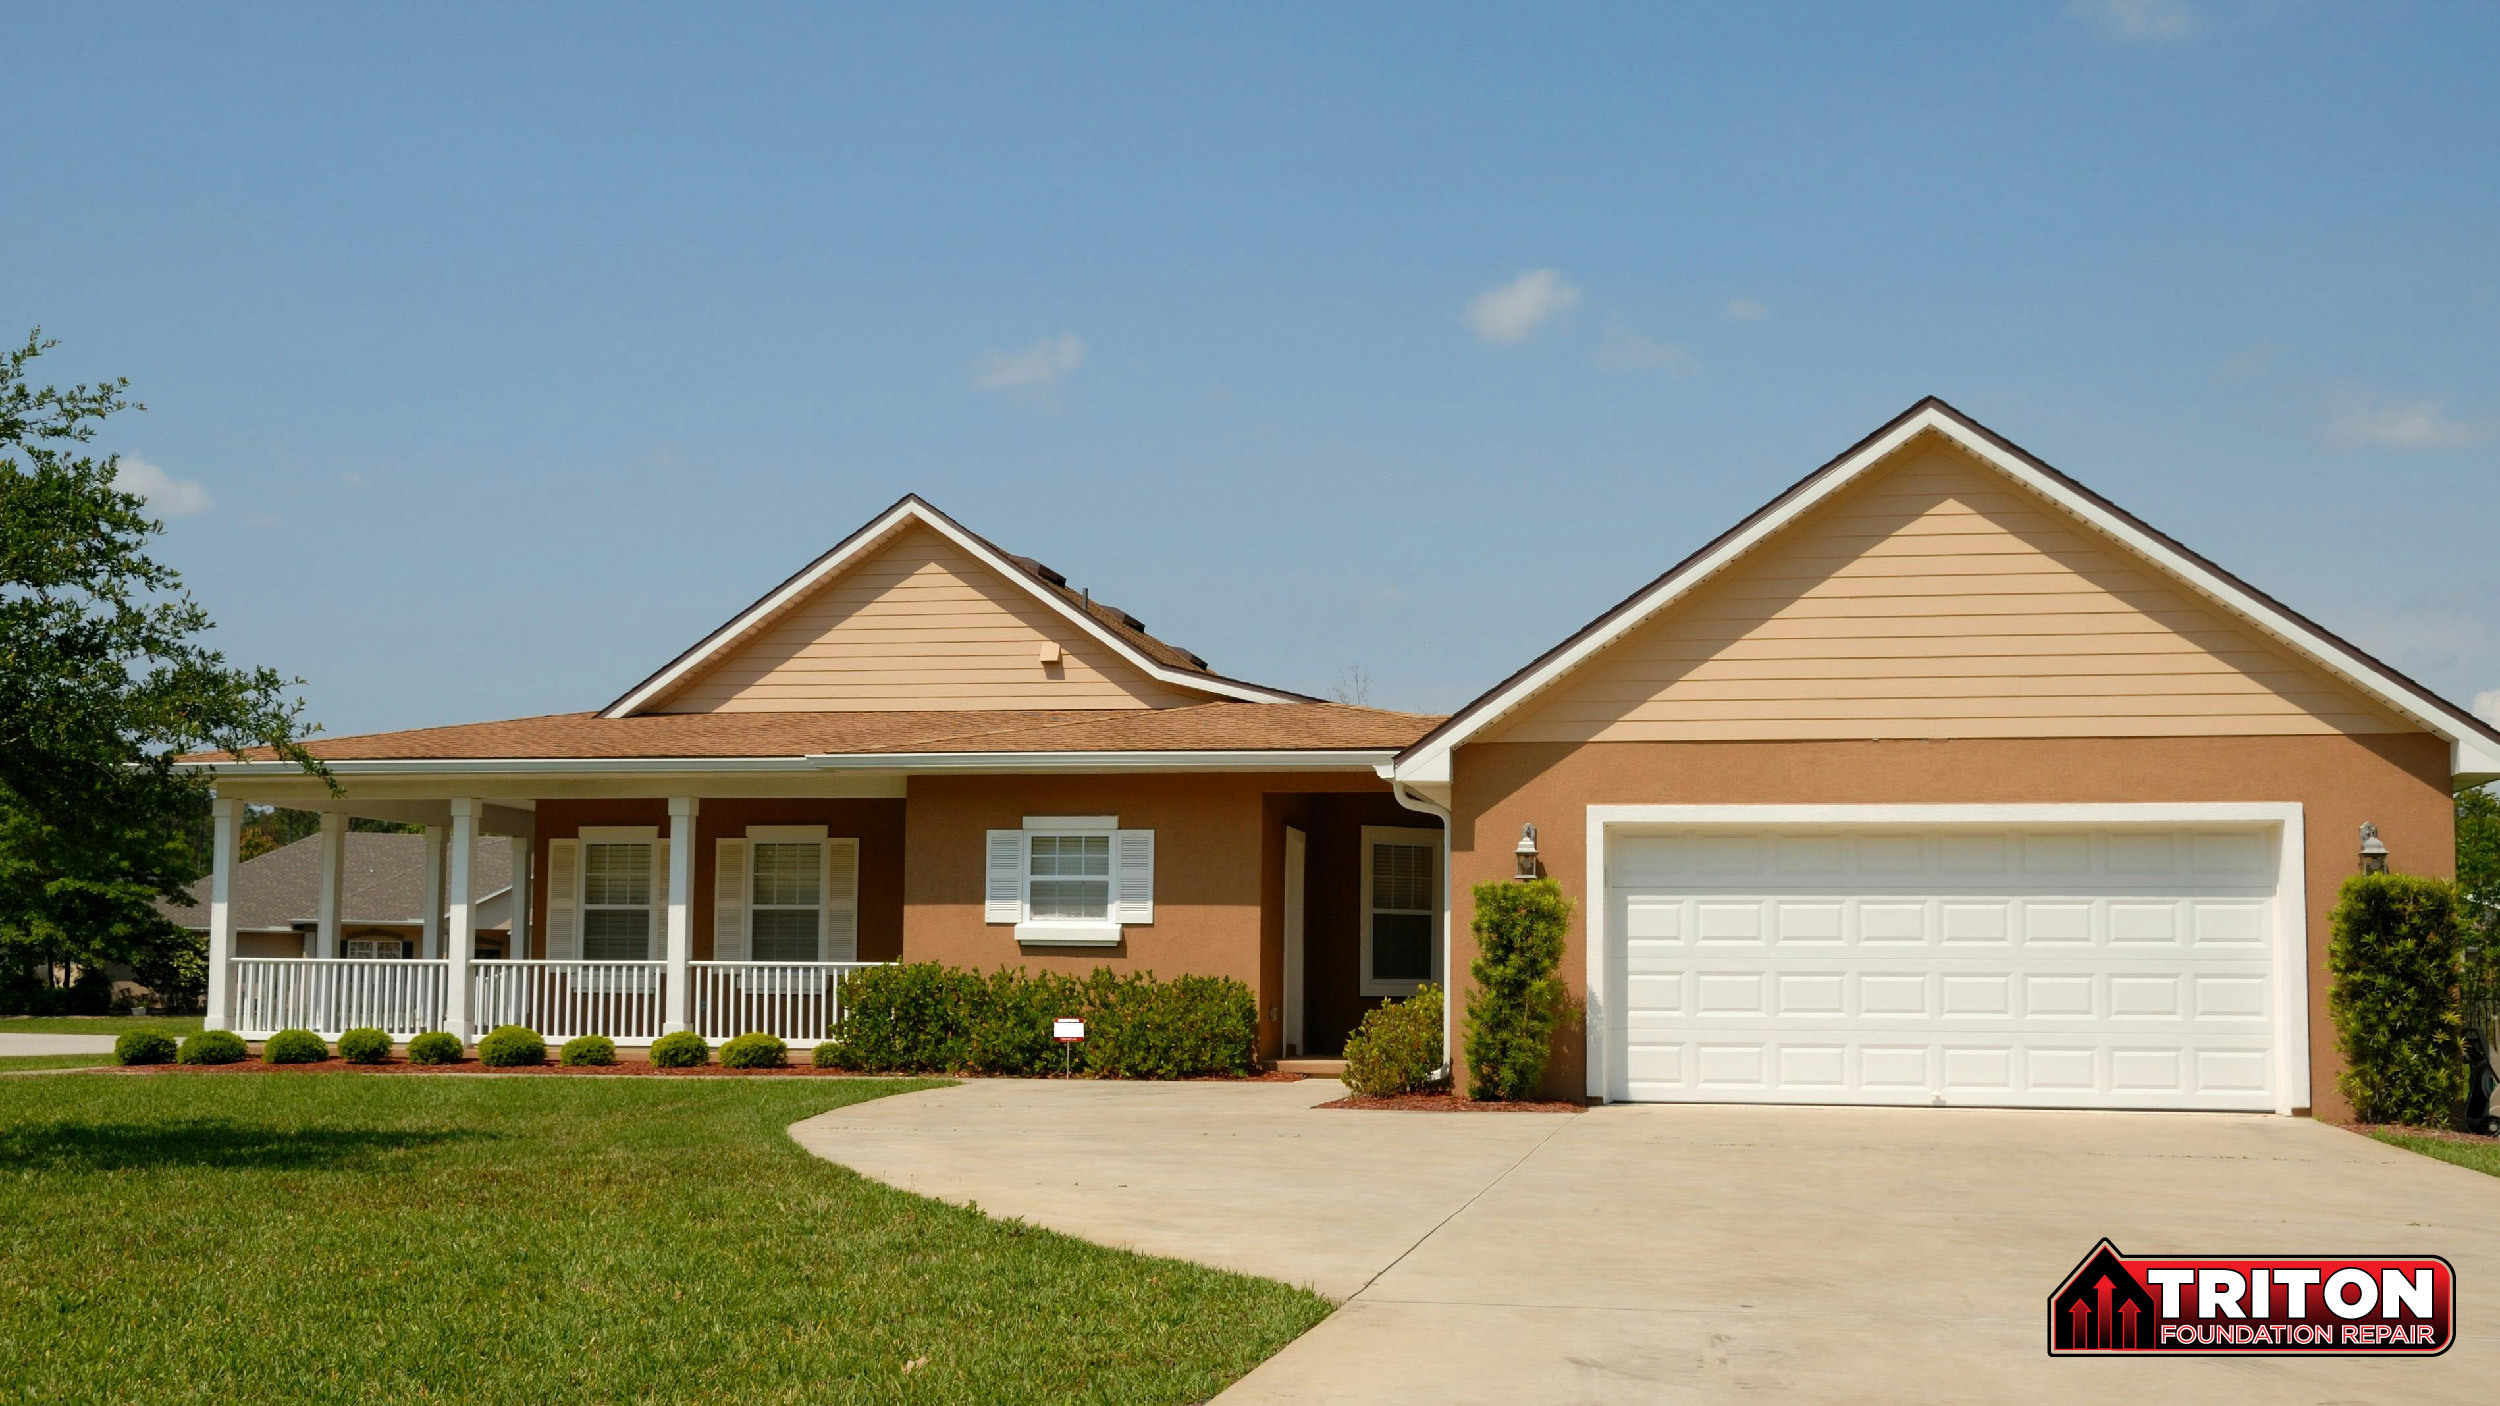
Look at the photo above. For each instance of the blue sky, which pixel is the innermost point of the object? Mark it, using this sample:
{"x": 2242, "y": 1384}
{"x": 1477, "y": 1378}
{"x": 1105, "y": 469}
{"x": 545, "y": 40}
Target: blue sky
{"x": 491, "y": 357}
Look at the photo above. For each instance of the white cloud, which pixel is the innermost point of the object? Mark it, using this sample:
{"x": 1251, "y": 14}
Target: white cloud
{"x": 1630, "y": 351}
{"x": 2411, "y": 424}
{"x": 1514, "y": 311}
{"x": 2487, "y": 705}
{"x": 2139, "y": 21}
{"x": 1037, "y": 365}
{"x": 1744, "y": 310}
{"x": 169, "y": 496}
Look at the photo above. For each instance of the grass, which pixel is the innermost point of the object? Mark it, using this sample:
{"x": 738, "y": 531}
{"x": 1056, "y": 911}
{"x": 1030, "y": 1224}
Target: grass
{"x": 54, "y": 1061}
{"x": 328, "y": 1237}
{"x": 2480, "y": 1154}
{"x": 175, "y": 1025}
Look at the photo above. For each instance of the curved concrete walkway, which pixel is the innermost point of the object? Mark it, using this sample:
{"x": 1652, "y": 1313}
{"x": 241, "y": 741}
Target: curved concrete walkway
{"x": 1696, "y": 1253}
{"x": 11, "y": 1044}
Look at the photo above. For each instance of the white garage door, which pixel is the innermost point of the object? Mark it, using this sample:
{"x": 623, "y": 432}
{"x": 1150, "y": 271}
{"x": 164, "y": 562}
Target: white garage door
{"x": 2111, "y": 967}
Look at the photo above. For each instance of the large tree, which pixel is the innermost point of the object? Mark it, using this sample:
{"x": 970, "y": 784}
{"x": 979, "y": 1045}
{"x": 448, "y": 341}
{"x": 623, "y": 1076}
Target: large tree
{"x": 104, "y": 683}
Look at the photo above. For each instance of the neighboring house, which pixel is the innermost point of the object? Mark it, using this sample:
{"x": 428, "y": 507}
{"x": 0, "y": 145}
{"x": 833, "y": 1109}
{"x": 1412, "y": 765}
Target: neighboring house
{"x": 382, "y": 912}
{"x": 1940, "y": 779}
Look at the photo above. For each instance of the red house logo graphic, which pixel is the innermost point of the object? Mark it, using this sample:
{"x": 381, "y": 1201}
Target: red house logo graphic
{"x": 2298, "y": 1305}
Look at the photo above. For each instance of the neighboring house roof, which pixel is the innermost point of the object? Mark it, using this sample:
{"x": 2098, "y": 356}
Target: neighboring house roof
{"x": 2474, "y": 744}
{"x": 1123, "y": 633}
{"x": 385, "y": 883}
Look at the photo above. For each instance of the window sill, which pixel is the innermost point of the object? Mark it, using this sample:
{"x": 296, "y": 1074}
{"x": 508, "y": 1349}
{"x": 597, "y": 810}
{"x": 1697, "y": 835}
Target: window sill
{"x": 1068, "y": 934}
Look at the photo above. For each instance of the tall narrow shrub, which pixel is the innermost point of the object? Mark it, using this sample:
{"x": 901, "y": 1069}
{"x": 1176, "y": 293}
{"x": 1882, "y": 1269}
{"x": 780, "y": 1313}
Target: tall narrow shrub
{"x": 1516, "y": 1001}
{"x": 2395, "y": 963}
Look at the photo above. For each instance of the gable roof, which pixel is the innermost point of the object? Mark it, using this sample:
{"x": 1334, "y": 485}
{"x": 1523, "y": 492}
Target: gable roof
{"x": 1122, "y": 632}
{"x": 385, "y": 883}
{"x": 2474, "y": 746}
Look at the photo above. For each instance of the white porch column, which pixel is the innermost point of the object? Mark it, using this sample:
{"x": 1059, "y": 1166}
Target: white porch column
{"x": 226, "y": 830}
{"x": 325, "y": 933}
{"x": 517, "y": 946}
{"x": 681, "y": 812}
{"x": 463, "y": 924}
{"x": 430, "y": 944}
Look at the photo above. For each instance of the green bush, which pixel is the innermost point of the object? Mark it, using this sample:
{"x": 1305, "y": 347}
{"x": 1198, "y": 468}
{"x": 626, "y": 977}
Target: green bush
{"x": 910, "y": 1016}
{"x": 683, "y": 1050}
{"x": 365, "y": 1045}
{"x": 923, "y": 1017}
{"x": 754, "y": 1050}
{"x": 213, "y": 1047}
{"x": 144, "y": 1047}
{"x": 1515, "y": 1002}
{"x": 293, "y": 1047}
{"x": 435, "y": 1047}
{"x": 826, "y": 1056}
{"x": 588, "y": 1049}
{"x": 1396, "y": 1047}
{"x": 511, "y": 1047}
{"x": 2395, "y": 962}
{"x": 1139, "y": 1028}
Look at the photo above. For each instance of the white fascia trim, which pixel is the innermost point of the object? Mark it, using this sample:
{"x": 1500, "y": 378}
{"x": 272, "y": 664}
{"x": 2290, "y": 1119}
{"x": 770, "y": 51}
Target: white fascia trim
{"x": 867, "y": 540}
{"x": 521, "y": 766}
{"x": 2291, "y": 894}
{"x": 1370, "y": 759}
{"x": 2469, "y": 753}
{"x": 1068, "y": 934}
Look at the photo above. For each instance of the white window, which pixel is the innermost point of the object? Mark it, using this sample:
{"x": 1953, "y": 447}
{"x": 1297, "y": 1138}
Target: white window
{"x": 1401, "y": 909}
{"x": 1067, "y": 878}
{"x": 368, "y": 948}
{"x": 616, "y": 901}
{"x": 1071, "y": 880}
{"x": 787, "y": 915}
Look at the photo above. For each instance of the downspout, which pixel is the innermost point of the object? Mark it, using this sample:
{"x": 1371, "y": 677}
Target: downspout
{"x": 1409, "y": 798}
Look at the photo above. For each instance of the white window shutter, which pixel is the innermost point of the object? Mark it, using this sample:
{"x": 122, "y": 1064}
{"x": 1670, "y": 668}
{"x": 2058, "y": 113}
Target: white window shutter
{"x": 729, "y": 901}
{"x": 841, "y": 911}
{"x": 564, "y": 928}
{"x": 1133, "y": 876}
{"x": 658, "y": 948}
{"x": 1003, "y": 898}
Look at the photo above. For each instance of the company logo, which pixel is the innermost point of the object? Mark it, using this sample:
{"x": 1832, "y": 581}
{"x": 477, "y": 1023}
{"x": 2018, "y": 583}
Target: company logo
{"x": 2288, "y": 1304}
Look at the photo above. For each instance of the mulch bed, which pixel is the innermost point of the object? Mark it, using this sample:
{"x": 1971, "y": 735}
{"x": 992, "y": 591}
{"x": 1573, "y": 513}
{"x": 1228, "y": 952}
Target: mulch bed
{"x": 1448, "y": 1103}
{"x": 2434, "y": 1134}
{"x": 799, "y": 1068}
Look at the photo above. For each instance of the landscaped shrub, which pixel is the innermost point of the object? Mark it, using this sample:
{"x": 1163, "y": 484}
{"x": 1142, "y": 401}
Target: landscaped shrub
{"x": 511, "y": 1047}
{"x": 754, "y": 1050}
{"x": 435, "y": 1047}
{"x": 293, "y": 1047}
{"x": 911, "y": 1016}
{"x": 2394, "y": 958}
{"x": 924, "y": 1017}
{"x": 1139, "y": 1028}
{"x": 588, "y": 1049}
{"x": 1396, "y": 1047}
{"x": 213, "y": 1047}
{"x": 1515, "y": 1001}
{"x": 144, "y": 1047}
{"x": 683, "y": 1050}
{"x": 827, "y": 1056}
{"x": 365, "y": 1045}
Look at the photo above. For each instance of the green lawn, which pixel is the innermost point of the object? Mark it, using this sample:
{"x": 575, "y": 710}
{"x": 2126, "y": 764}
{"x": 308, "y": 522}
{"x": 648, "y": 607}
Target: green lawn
{"x": 2483, "y": 1157}
{"x": 9, "y": 1062}
{"x": 388, "y": 1238}
{"x": 175, "y": 1025}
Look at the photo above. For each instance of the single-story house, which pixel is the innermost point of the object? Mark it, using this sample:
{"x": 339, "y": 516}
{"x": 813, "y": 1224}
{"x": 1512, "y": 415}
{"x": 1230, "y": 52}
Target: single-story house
{"x": 390, "y": 901}
{"x": 1940, "y": 779}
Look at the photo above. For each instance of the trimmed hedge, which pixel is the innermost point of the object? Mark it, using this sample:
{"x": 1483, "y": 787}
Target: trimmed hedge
{"x": 683, "y": 1050}
{"x": 365, "y": 1045}
{"x": 588, "y": 1049}
{"x": 754, "y": 1050}
{"x": 825, "y": 1056}
{"x": 2396, "y": 959}
{"x": 435, "y": 1047}
{"x": 1396, "y": 1047}
{"x": 1515, "y": 1002}
{"x": 213, "y": 1047}
{"x": 144, "y": 1047}
{"x": 923, "y": 1017}
{"x": 293, "y": 1047}
{"x": 511, "y": 1047}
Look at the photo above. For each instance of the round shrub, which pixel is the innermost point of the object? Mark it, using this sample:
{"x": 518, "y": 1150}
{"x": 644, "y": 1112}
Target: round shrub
{"x": 365, "y": 1045}
{"x": 828, "y": 1056}
{"x": 588, "y": 1049}
{"x": 1397, "y": 1047}
{"x": 511, "y": 1047}
{"x": 754, "y": 1050}
{"x": 293, "y": 1047}
{"x": 683, "y": 1050}
{"x": 213, "y": 1047}
{"x": 144, "y": 1047}
{"x": 434, "y": 1047}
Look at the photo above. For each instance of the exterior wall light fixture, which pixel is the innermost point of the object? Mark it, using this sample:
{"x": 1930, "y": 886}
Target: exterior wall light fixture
{"x": 2373, "y": 850}
{"x": 1526, "y": 852}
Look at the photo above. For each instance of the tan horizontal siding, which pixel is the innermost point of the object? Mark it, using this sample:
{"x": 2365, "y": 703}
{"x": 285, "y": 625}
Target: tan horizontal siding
{"x": 920, "y": 625}
{"x": 1939, "y": 599}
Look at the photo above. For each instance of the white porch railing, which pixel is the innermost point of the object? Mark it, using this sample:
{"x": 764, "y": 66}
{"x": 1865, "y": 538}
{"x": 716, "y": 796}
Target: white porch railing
{"x": 624, "y": 1001}
{"x": 331, "y": 995}
{"x": 799, "y": 1001}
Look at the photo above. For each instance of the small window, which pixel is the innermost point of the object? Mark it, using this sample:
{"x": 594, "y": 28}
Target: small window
{"x": 1401, "y": 909}
{"x": 616, "y": 902}
{"x": 371, "y": 948}
{"x": 788, "y": 907}
{"x": 1068, "y": 878}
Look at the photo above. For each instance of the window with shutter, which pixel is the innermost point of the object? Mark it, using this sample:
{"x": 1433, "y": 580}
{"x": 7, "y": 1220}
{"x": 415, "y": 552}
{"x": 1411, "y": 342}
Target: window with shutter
{"x": 616, "y": 900}
{"x": 1073, "y": 873}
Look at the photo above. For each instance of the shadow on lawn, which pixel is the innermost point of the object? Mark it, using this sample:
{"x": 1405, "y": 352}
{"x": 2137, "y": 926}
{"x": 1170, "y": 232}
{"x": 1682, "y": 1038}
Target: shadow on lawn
{"x": 211, "y": 1142}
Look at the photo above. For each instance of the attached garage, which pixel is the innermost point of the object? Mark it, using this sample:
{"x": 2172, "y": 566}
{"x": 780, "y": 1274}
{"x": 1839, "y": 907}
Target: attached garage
{"x": 2063, "y": 957}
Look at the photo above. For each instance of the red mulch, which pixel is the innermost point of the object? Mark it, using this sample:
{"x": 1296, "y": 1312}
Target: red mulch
{"x": 1448, "y": 1103}
{"x": 799, "y": 1068}
{"x": 2435, "y": 1134}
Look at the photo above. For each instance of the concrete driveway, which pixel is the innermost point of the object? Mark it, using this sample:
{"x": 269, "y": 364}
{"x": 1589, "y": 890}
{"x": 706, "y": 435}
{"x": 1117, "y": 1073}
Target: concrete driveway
{"x": 1640, "y": 1254}
{"x": 15, "y": 1044}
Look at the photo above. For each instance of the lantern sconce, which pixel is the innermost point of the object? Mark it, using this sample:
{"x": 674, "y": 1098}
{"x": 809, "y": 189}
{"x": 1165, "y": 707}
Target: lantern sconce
{"x": 2373, "y": 850}
{"x": 1526, "y": 852}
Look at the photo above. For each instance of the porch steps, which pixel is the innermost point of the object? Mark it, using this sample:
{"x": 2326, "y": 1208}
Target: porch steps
{"x": 1316, "y": 1068}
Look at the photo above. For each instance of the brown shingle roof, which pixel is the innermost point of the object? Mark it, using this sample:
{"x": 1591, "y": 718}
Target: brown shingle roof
{"x": 385, "y": 883}
{"x": 1221, "y": 727}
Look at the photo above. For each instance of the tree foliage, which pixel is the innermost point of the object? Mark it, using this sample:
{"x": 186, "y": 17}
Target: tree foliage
{"x": 2394, "y": 960}
{"x": 104, "y": 683}
{"x": 2478, "y": 893}
{"x": 1516, "y": 1002}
